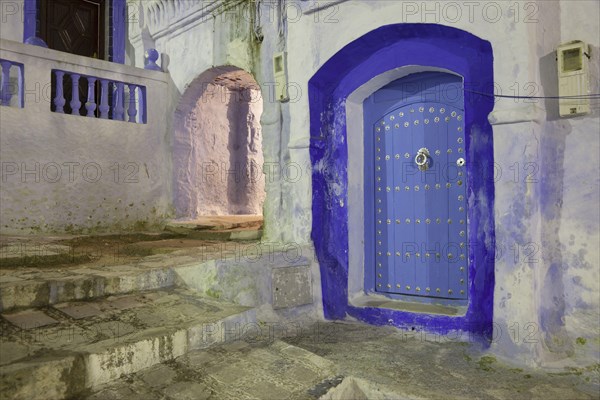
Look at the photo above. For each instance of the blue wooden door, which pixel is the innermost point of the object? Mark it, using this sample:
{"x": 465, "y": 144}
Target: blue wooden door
{"x": 419, "y": 206}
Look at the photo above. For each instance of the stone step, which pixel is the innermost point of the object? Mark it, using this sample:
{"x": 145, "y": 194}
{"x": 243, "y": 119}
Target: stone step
{"x": 39, "y": 288}
{"x": 250, "y": 370}
{"x": 59, "y": 351}
{"x": 22, "y": 254}
{"x": 227, "y": 235}
{"x": 237, "y": 272}
{"x": 229, "y": 227}
{"x": 220, "y": 222}
{"x": 41, "y": 271}
{"x": 50, "y": 251}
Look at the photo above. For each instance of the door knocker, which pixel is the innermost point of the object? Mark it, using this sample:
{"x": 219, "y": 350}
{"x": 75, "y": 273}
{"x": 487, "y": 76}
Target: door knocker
{"x": 423, "y": 159}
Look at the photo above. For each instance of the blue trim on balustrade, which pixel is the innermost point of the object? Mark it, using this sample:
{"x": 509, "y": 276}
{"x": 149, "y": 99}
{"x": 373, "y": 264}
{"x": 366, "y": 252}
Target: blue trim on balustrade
{"x": 376, "y": 52}
{"x": 31, "y": 10}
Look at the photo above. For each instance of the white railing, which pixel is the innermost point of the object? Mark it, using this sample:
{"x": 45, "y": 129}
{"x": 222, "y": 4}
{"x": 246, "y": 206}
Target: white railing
{"x": 41, "y": 80}
{"x": 97, "y": 97}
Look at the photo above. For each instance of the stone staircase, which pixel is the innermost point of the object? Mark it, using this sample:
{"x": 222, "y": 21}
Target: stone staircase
{"x": 38, "y": 272}
{"x": 74, "y": 320}
{"x": 170, "y": 317}
{"x": 241, "y": 370}
{"x": 58, "y": 351}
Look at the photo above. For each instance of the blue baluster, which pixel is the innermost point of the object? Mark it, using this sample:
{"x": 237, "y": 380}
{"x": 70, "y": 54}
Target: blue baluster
{"x": 141, "y": 106}
{"x": 90, "y": 105}
{"x": 103, "y": 99}
{"x": 75, "y": 103}
{"x": 118, "y": 108}
{"x": 59, "y": 100}
{"x": 131, "y": 111}
{"x": 6, "y": 94}
{"x": 20, "y": 85}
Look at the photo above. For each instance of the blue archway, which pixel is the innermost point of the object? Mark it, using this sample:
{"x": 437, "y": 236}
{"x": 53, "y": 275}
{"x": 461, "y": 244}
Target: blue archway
{"x": 381, "y": 50}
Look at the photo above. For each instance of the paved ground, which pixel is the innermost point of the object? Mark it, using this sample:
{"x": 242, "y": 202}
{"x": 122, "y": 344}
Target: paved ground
{"x": 347, "y": 361}
{"x": 330, "y": 361}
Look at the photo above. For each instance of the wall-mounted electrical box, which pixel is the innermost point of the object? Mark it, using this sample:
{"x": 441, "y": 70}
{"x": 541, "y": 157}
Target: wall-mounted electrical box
{"x": 573, "y": 78}
{"x": 280, "y": 72}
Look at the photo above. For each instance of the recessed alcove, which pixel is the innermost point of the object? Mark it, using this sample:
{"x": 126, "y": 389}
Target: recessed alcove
{"x": 217, "y": 146}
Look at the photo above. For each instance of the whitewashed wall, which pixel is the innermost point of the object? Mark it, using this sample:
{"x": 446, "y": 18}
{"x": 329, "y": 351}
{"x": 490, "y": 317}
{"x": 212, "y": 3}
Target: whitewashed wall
{"x": 66, "y": 173}
{"x": 194, "y": 37}
{"x": 578, "y": 233}
{"x": 11, "y": 19}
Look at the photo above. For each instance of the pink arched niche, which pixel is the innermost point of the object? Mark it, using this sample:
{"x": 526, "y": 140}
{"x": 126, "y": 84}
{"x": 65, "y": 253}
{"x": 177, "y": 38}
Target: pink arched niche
{"x": 217, "y": 146}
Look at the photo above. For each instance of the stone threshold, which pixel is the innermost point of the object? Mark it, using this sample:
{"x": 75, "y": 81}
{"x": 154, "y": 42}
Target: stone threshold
{"x": 378, "y": 301}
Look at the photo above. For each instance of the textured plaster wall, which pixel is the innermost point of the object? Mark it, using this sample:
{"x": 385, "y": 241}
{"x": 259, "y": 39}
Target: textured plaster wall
{"x": 575, "y": 214}
{"x": 226, "y": 37}
{"x": 547, "y": 293}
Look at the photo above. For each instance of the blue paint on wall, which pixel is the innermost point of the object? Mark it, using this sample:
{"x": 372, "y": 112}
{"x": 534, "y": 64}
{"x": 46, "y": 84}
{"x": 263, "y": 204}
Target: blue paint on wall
{"x": 378, "y": 51}
{"x": 119, "y": 18}
{"x": 30, "y": 15}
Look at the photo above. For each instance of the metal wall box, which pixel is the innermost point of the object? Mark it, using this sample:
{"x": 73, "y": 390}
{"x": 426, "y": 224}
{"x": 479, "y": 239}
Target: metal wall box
{"x": 573, "y": 78}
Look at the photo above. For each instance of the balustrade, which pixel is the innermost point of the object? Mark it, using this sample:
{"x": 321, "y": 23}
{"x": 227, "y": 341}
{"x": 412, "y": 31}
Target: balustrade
{"x": 102, "y": 98}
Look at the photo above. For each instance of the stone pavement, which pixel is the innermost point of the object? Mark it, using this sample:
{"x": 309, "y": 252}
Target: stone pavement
{"x": 336, "y": 361}
{"x": 135, "y": 323}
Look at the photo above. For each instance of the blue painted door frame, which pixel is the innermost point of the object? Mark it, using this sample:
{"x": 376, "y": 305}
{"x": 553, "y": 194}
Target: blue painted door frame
{"x": 118, "y": 17}
{"x": 385, "y": 49}
{"x": 416, "y": 216}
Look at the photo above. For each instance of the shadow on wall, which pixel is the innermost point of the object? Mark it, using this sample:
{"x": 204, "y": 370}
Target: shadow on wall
{"x": 217, "y": 146}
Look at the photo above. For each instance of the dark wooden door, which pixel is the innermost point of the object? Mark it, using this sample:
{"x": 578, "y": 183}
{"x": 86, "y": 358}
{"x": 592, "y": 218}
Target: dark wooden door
{"x": 74, "y": 26}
